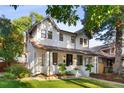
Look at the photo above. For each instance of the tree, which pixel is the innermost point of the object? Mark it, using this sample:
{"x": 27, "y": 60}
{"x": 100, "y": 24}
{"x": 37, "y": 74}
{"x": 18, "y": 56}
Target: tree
{"x": 105, "y": 19}
{"x": 11, "y": 35}
{"x": 24, "y": 23}
{"x": 108, "y": 19}
{"x": 10, "y": 40}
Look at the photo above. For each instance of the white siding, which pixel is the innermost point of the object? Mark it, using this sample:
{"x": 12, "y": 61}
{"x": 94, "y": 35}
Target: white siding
{"x": 30, "y": 56}
{"x": 66, "y": 43}
{"x": 78, "y": 45}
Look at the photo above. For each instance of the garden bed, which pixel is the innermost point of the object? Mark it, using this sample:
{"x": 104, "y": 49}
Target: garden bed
{"x": 109, "y": 77}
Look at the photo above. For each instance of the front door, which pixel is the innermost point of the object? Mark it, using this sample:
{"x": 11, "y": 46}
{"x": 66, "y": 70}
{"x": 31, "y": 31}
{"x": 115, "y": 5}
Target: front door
{"x": 69, "y": 59}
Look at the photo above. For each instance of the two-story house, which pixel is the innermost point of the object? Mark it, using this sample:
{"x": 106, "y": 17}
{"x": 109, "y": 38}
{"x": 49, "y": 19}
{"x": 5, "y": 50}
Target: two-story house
{"x": 47, "y": 46}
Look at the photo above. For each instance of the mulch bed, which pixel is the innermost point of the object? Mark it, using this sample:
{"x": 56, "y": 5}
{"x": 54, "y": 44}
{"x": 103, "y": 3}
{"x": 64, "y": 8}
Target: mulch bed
{"x": 109, "y": 76}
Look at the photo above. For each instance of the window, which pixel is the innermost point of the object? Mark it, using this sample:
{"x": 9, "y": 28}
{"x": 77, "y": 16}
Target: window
{"x": 60, "y": 36}
{"x": 55, "y": 58}
{"x": 85, "y": 41}
{"x": 43, "y": 34}
{"x": 88, "y": 60}
{"x": 43, "y": 59}
{"x": 79, "y": 60}
{"x": 81, "y": 40}
{"x": 49, "y": 35}
{"x": 69, "y": 59}
{"x": 72, "y": 39}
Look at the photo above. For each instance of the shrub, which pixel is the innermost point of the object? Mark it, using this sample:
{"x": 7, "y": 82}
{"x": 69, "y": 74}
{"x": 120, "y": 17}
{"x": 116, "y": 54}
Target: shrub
{"x": 19, "y": 70}
{"x": 7, "y": 75}
{"x": 62, "y": 68}
{"x": 89, "y": 67}
{"x": 68, "y": 73}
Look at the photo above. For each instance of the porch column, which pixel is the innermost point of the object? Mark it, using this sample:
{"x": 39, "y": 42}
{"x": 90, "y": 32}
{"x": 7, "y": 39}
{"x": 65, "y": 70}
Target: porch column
{"x": 49, "y": 62}
{"x": 95, "y": 64}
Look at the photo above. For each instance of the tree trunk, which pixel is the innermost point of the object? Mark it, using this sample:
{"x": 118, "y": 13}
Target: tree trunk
{"x": 118, "y": 59}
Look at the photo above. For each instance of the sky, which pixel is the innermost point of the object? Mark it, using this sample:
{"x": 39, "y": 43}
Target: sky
{"x": 10, "y": 13}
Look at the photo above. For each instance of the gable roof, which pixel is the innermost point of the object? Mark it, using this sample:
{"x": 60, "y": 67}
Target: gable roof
{"x": 30, "y": 31}
{"x": 98, "y": 50}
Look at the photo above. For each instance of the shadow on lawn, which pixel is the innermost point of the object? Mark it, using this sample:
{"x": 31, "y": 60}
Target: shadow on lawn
{"x": 88, "y": 83}
{"x": 14, "y": 84}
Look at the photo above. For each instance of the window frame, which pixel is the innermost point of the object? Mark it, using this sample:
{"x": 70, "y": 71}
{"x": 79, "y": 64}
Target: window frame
{"x": 60, "y": 36}
{"x": 55, "y": 58}
{"x": 72, "y": 39}
{"x": 48, "y": 36}
{"x": 85, "y": 41}
{"x": 79, "y": 60}
{"x": 81, "y": 39}
{"x": 43, "y": 34}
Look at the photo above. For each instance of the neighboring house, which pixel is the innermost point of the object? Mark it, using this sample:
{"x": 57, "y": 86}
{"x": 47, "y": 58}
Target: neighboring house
{"x": 106, "y": 57}
{"x": 47, "y": 46}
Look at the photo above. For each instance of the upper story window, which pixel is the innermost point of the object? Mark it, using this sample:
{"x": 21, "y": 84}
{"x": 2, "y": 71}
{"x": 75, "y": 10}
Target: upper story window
{"x": 60, "y": 36}
{"x": 49, "y": 34}
{"x": 73, "y": 39}
{"x": 81, "y": 40}
{"x": 85, "y": 41}
{"x": 43, "y": 34}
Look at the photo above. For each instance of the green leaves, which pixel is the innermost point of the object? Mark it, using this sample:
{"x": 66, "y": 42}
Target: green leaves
{"x": 10, "y": 39}
{"x": 98, "y": 17}
{"x": 11, "y": 35}
{"x": 25, "y": 22}
{"x": 66, "y": 13}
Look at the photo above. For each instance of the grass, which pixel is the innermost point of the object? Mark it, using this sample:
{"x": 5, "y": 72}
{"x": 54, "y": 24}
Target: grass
{"x": 71, "y": 83}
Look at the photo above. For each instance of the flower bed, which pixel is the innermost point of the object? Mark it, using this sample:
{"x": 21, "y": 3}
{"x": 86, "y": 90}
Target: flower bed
{"x": 109, "y": 77}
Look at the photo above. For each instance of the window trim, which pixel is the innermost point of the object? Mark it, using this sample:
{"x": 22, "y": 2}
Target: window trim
{"x": 55, "y": 55}
{"x": 51, "y": 35}
{"x": 80, "y": 59}
{"x": 85, "y": 43}
{"x": 43, "y": 34}
{"x": 60, "y": 36}
{"x": 73, "y": 39}
{"x": 81, "y": 39}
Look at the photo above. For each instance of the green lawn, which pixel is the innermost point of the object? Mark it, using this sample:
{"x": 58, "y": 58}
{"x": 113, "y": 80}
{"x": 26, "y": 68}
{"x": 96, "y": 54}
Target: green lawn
{"x": 71, "y": 83}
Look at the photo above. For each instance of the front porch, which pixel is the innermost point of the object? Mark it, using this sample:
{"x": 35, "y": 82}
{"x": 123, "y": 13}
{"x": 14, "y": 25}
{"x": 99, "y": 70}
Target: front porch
{"x": 47, "y": 62}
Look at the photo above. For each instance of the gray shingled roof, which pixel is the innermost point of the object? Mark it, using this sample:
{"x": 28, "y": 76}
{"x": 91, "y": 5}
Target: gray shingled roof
{"x": 54, "y": 24}
{"x": 54, "y": 48}
{"x": 97, "y": 50}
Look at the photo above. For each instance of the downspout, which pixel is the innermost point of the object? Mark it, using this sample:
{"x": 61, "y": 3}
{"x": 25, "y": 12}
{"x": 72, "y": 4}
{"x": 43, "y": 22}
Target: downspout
{"x": 96, "y": 64}
{"x": 75, "y": 42}
{"x": 49, "y": 63}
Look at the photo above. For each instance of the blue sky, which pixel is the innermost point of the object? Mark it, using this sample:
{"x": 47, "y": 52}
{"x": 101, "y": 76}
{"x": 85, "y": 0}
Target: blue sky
{"x": 10, "y": 13}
